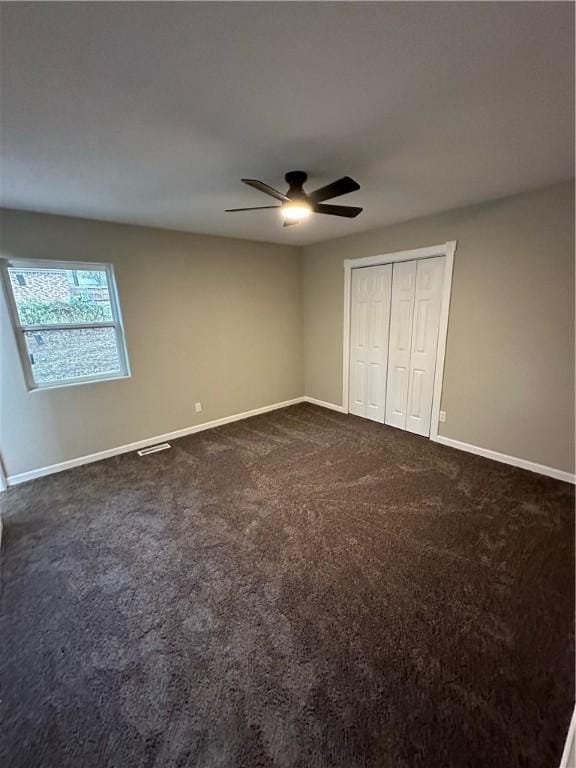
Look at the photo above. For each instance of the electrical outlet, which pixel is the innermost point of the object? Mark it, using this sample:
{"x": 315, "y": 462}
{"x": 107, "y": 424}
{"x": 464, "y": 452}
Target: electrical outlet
{"x": 442, "y": 416}
{"x": 198, "y": 407}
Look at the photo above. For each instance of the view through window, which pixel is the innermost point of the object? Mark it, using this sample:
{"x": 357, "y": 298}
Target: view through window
{"x": 67, "y": 322}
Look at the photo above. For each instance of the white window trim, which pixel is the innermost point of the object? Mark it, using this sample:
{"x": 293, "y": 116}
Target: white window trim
{"x": 19, "y": 329}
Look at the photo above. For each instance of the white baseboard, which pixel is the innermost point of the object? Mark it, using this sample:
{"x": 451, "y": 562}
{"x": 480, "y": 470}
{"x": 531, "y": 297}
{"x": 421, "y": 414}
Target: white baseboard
{"x": 60, "y": 467}
{"x": 324, "y": 404}
{"x": 541, "y": 469}
{"x": 569, "y": 754}
{"x": 63, "y": 465}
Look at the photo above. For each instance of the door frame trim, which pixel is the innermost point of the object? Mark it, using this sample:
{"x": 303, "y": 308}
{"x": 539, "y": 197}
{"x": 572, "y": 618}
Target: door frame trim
{"x": 447, "y": 250}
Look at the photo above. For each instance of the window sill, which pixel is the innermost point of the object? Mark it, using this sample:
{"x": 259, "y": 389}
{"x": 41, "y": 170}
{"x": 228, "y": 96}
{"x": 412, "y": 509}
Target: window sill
{"x": 66, "y": 385}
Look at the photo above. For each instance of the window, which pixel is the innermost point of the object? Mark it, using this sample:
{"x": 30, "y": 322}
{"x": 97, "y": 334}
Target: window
{"x": 67, "y": 321}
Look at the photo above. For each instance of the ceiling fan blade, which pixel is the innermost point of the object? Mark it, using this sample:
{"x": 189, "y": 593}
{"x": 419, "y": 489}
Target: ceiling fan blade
{"x": 258, "y": 208}
{"x": 349, "y": 211}
{"x": 288, "y": 223}
{"x": 340, "y": 187}
{"x": 259, "y": 185}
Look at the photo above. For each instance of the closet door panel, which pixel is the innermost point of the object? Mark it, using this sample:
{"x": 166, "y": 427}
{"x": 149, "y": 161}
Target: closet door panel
{"x": 399, "y": 349}
{"x": 359, "y": 342}
{"x": 427, "y": 301}
{"x": 370, "y": 317}
{"x": 380, "y": 294}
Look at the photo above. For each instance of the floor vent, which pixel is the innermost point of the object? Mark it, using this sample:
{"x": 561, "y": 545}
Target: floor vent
{"x": 154, "y": 449}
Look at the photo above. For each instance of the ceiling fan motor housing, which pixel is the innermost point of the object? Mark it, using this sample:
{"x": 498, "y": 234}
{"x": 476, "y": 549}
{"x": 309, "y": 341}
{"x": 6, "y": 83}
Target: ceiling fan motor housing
{"x": 295, "y": 180}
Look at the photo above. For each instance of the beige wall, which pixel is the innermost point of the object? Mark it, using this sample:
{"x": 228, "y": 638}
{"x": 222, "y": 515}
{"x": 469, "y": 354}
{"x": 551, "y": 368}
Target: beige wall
{"x": 509, "y": 373}
{"x": 207, "y": 319}
{"x": 220, "y": 321}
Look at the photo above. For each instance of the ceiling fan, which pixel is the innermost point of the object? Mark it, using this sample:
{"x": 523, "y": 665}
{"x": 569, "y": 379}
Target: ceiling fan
{"x": 297, "y": 205}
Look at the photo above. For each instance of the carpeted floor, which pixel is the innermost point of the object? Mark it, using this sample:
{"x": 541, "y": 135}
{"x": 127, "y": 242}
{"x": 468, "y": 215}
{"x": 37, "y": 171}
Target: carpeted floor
{"x": 300, "y": 589}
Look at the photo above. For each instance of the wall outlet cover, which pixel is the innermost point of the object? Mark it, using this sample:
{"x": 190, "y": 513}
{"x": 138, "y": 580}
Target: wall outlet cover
{"x": 198, "y": 407}
{"x": 442, "y": 416}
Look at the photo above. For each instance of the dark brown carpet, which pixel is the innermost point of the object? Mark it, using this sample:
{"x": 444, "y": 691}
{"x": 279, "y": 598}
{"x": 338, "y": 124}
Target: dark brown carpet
{"x": 301, "y": 589}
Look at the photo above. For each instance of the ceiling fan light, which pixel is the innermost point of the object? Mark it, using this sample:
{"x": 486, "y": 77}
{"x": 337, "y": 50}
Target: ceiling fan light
{"x": 296, "y": 211}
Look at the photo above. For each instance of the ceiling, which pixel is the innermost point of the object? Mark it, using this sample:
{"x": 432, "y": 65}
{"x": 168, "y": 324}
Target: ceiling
{"x": 151, "y": 113}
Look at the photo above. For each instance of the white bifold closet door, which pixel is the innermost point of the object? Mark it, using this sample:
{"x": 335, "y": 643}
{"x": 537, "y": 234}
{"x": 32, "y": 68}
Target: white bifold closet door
{"x": 370, "y": 320}
{"x": 414, "y": 323}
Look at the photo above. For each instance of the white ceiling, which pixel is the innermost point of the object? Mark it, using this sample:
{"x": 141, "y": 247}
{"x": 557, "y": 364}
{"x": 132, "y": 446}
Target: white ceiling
{"x": 151, "y": 113}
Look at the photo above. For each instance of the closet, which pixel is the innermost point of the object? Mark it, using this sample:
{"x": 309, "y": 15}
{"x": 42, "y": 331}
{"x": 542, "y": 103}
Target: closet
{"x": 395, "y": 316}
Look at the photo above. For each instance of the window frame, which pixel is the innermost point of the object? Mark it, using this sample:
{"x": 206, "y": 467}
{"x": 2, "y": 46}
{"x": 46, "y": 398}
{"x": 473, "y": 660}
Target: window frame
{"x": 20, "y": 330}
